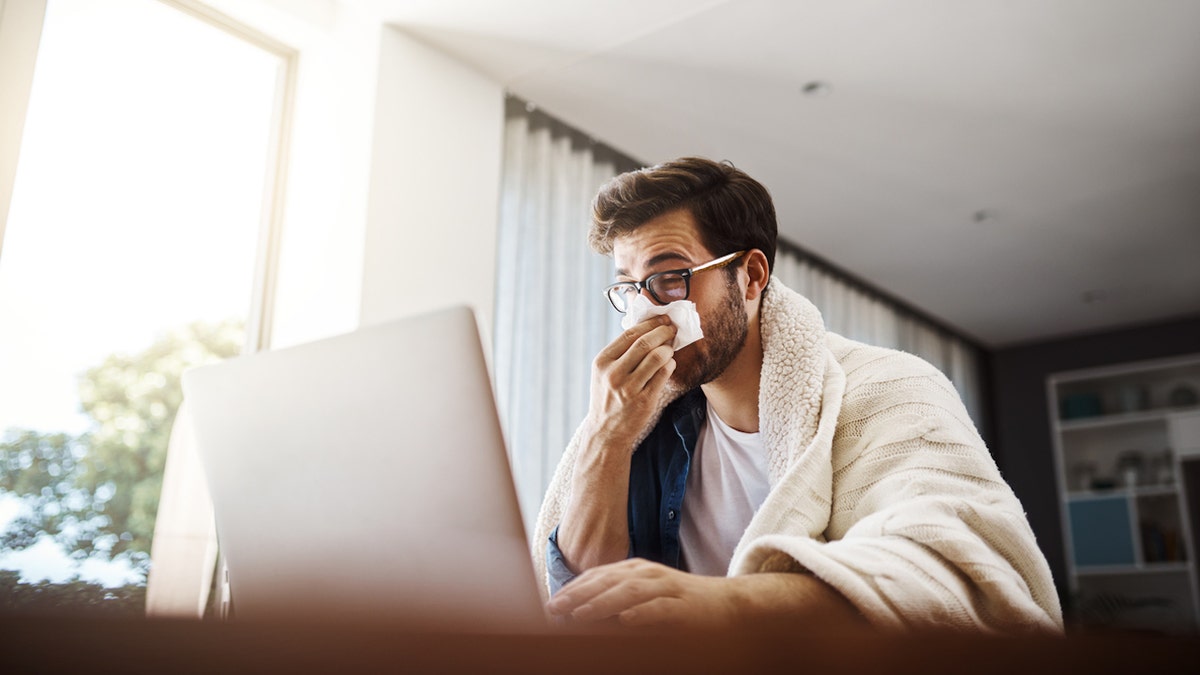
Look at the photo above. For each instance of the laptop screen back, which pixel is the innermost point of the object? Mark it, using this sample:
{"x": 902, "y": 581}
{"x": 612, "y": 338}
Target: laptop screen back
{"x": 365, "y": 477}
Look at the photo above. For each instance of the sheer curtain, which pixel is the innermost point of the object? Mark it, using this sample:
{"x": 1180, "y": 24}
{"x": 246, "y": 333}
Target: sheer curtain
{"x": 551, "y": 315}
{"x": 552, "y": 318}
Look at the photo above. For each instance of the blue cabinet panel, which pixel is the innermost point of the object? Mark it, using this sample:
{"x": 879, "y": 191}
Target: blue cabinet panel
{"x": 1101, "y": 532}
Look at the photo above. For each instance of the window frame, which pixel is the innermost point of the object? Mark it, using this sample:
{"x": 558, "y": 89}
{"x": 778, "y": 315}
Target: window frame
{"x": 170, "y": 588}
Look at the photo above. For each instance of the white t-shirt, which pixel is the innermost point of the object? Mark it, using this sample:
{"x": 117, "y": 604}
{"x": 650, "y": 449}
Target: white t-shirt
{"x": 726, "y": 483}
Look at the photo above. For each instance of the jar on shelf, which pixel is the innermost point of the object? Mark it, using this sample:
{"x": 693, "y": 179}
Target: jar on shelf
{"x": 1132, "y": 398}
{"x": 1162, "y": 468}
{"x": 1130, "y": 468}
{"x": 1075, "y": 406}
{"x": 1083, "y": 475}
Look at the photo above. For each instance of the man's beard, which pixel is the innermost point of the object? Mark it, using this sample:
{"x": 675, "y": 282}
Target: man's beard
{"x": 724, "y": 335}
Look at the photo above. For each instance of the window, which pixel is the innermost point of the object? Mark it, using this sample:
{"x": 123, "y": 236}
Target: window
{"x": 140, "y": 240}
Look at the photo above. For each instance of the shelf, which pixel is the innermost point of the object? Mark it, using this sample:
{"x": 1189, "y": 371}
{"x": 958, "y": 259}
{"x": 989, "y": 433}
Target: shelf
{"x": 1140, "y": 370}
{"x": 1147, "y": 568}
{"x": 1120, "y": 419}
{"x": 1130, "y": 543}
{"x": 1140, "y": 491}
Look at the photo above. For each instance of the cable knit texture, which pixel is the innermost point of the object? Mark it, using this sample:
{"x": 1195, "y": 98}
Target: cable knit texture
{"x": 880, "y": 486}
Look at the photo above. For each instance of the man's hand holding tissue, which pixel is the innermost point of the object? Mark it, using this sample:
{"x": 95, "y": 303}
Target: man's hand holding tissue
{"x": 629, "y": 384}
{"x": 682, "y": 313}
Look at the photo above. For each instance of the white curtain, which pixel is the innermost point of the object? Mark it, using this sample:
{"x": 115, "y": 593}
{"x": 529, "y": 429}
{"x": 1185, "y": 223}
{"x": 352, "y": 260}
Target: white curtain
{"x": 551, "y": 314}
{"x": 552, "y": 318}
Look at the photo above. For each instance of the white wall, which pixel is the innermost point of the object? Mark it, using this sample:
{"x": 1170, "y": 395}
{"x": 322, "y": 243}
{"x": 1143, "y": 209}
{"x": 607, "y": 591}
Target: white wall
{"x": 20, "y": 33}
{"x": 435, "y": 185}
{"x": 393, "y": 172}
{"x": 319, "y": 280}
{"x": 393, "y": 176}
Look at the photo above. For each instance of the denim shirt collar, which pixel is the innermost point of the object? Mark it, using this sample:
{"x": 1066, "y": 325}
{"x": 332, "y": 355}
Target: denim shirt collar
{"x": 687, "y": 415}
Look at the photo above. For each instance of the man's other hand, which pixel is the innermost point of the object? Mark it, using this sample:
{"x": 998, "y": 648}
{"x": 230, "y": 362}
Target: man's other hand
{"x": 638, "y": 592}
{"x": 641, "y": 593}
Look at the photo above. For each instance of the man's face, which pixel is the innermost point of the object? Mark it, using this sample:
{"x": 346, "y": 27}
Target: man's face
{"x": 670, "y": 242}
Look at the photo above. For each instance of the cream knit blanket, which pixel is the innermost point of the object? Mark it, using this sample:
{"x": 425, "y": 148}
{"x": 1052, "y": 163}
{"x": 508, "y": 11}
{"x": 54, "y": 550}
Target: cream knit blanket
{"x": 880, "y": 486}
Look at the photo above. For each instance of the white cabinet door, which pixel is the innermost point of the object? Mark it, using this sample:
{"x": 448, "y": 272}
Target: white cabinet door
{"x": 1183, "y": 430}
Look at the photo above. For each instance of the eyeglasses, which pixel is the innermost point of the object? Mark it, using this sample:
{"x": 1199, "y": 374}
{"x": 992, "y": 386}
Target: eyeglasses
{"x": 664, "y": 287}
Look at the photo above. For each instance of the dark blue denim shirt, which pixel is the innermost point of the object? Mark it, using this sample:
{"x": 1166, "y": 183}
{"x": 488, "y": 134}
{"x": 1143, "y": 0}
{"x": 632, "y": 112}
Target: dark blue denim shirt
{"x": 657, "y": 477}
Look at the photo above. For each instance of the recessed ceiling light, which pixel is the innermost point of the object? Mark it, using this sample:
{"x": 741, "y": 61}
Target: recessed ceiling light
{"x": 816, "y": 89}
{"x": 983, "y": 215}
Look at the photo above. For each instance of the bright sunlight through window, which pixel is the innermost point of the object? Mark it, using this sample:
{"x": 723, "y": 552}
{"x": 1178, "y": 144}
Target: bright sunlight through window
{"x": 129, "y": 255}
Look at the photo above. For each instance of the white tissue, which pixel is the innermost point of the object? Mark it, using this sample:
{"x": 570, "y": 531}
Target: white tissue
{"x": 682, "y": 313}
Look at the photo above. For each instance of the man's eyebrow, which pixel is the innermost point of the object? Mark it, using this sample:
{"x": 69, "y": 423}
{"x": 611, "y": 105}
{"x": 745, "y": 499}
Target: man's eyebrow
{"x": 657, "y": 260}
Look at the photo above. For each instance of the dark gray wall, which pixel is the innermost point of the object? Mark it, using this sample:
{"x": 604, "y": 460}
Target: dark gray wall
{"x": 1020, "y": 437}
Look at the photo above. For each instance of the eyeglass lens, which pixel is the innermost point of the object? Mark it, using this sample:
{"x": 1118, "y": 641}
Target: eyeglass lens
{"x": 669, "y": 287}
{"x": 664, "y": 289}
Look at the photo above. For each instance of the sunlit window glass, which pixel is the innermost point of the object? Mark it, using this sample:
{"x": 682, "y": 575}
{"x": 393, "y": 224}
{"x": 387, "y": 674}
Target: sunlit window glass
{"x": 128, "y": 256}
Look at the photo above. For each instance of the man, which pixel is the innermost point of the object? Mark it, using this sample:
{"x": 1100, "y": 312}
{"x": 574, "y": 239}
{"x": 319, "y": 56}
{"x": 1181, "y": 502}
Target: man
{"x": 770, "y": 471}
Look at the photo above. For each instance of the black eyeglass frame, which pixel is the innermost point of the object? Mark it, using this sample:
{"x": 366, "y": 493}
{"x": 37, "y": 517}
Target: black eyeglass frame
{"x": 613, "y": 291}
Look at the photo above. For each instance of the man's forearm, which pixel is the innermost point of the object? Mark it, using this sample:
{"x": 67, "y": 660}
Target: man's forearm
{"x": 594, "y": 529}
{"x": 629, "y": 378}
{"x": 785, "y": 597}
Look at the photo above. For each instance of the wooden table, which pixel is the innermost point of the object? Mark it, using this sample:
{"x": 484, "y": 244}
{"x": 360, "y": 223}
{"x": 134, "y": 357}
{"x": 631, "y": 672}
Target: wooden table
{"x": 97, "y": 646}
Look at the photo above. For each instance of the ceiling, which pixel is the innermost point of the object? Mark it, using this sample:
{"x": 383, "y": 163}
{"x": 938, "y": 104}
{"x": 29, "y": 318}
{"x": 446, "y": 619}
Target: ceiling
{"x": 1018, "y": 169}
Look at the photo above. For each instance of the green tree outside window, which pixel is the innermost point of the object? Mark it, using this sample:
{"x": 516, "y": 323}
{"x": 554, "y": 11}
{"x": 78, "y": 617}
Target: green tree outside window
{"x": 96, "y": 494}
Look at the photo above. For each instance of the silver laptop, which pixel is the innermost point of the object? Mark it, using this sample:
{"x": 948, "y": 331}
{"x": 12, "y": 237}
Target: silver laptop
{"x": 364, "y": 477}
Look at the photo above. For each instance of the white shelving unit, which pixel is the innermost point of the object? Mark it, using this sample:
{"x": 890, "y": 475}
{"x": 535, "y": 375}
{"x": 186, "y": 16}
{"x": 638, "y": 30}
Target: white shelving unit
{"x": 1127, "y": 454}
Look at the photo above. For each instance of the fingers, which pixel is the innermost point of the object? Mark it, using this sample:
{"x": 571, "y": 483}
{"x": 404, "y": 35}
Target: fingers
{"x": 636, "y": 357}
{"x": 644, "y": 358}
{"x": 655, "y": 362}
{"x": 635, "y": 339}
{"x": 655, "y": 346}
{"x": 612, "y": 590}
{"x": 628, "y": 380}
{"x": 658, "y": 378}
{"x": 663, "y": 611}
{"x": 578, "y": 594}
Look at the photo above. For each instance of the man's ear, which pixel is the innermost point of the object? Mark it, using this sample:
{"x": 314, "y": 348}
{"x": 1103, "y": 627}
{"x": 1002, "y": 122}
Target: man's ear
{"x": 758, "y": 273}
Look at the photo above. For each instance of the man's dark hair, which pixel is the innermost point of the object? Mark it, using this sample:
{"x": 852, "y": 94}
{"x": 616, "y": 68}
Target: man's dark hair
{"x": 733, "y": 211}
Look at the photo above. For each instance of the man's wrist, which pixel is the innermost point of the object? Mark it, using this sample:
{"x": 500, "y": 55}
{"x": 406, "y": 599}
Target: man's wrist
{"x": 605, "y": 458}
{"x": 607, "y": 442}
